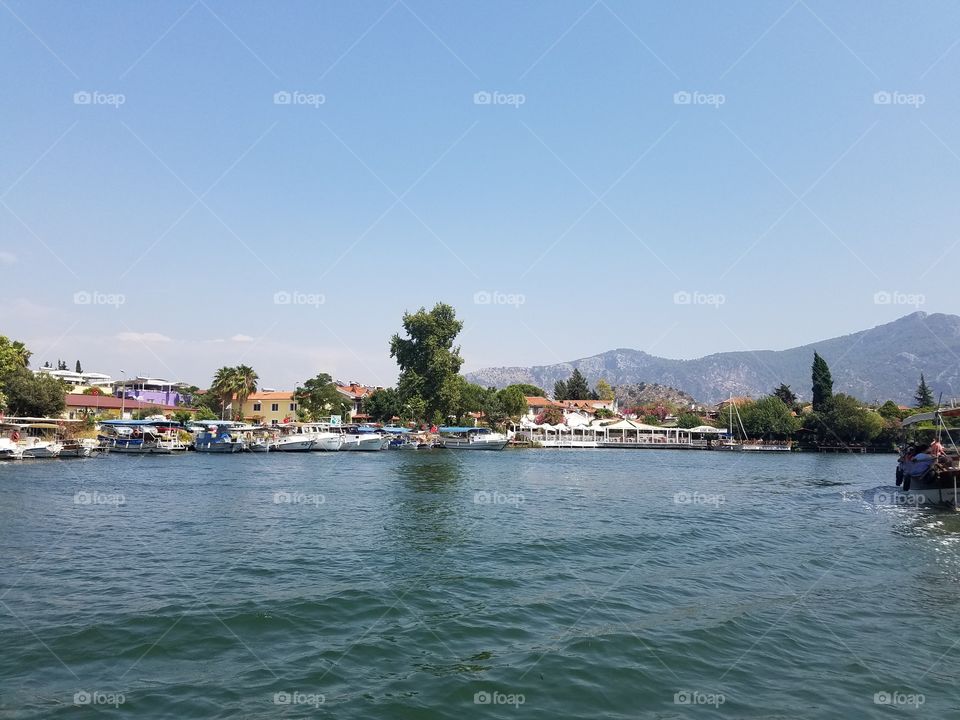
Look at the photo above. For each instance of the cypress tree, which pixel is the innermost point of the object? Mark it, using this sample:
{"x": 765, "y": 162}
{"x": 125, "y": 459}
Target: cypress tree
{"x": 822, "y": 383}
{"x": 924, "y": 397}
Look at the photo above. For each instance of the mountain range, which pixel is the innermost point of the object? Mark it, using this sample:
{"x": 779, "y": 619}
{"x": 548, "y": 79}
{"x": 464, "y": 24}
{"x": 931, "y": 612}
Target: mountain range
{"x": 882, "y": 363}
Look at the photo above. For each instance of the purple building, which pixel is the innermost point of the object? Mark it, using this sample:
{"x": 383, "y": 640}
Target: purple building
{"x": 153, "y": 390}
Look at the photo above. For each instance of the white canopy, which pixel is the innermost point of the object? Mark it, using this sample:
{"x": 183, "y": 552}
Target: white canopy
{"x": 705, "y": 429}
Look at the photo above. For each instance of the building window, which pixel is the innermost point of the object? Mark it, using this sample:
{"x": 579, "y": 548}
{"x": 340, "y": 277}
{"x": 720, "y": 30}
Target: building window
{"x": 293, "y": 406}
{"x": 274, "y": 422}
{"x": 256, "y": 407}
{"x": 275, "y": 407}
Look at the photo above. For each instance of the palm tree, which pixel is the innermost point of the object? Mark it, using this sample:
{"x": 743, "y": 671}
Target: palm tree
{"x": 245, "y": 384}
{"x": 224, "y": 386}
{"x": 22, "y": 354}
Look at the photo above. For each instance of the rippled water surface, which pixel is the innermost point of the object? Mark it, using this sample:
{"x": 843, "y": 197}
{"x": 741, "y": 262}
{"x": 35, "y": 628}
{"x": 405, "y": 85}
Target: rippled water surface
{"x": 568, "y": 584}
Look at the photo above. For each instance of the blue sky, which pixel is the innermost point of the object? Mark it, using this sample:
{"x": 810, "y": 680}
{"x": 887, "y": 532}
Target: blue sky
{"x": 680, "y": 178}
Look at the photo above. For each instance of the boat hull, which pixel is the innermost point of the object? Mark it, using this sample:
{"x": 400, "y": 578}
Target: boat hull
{"x": 221, "y": 448}
{"x": 297, "y": 445}
{"x": 366, "y": 443}
{"x": 455, "y": 444}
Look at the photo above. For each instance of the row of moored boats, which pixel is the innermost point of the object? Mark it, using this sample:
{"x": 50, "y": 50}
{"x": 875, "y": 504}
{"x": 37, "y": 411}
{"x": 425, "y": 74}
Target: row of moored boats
{"x": 33, "y": 438}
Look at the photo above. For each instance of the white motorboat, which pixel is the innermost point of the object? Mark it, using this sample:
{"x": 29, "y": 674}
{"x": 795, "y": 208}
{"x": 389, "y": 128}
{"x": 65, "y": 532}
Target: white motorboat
{"x": 26, "y": 439}
{"x": 363, "y": 439}
{"x": 471, "y": 438}
{"x": 294, "y": 442}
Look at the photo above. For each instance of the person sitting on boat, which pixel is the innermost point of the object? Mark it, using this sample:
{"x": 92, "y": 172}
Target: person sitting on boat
{"x": 922, "y": 453}
{"x": 15, "y": 435}
{"x": 936, "y": 449}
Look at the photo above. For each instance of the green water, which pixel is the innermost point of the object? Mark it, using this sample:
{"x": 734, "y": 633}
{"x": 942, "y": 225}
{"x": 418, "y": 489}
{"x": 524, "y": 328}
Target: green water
{"x": 520, "y": 584}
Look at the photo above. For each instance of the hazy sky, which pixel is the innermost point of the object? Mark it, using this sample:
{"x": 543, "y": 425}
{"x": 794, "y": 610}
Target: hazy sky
{"x": 185, "y": 185}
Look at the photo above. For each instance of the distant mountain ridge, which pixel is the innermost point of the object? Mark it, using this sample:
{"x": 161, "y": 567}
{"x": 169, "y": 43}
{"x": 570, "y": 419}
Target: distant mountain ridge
{"x": 882, "y": 363}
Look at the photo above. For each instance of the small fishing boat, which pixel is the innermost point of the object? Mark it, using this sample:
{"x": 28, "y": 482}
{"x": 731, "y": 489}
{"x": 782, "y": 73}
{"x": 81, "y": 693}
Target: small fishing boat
{"x": 80, "y": 447}
{"x": 141, "y": 437}
{"x": 471, "y": 438}
{"x": 220, "y": 436}
{"x": 928, "y": 470}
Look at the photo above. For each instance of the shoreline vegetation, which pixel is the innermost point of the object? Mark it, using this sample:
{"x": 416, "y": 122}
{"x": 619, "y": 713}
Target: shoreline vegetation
{"x": 431, "y": 392}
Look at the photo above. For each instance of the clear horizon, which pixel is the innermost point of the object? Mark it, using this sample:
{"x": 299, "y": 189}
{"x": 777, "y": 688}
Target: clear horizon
{"x": 191, "y": 185}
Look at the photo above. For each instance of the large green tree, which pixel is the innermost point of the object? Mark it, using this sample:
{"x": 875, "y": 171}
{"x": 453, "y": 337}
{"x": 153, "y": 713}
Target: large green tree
{"x": 429, "y": 362}
{"x": 603, "y": 391}
{"x": 560, "y": 390}
{"x": 13, "y": 355}
{"x": 318, "y": 397}
{"x": 513, "y": 401}
{"x": 768, "y": 418}
{"x": 382, "y": 405}
{"x": 529, "y": 390}
{"x": 785, "y": 394}
{"x": 224, "y": 386}
{"x": 844, "y": 422}
{"x": 822, "y": 383}
{"x": 34, "y": 394}
{"x": 577, "y": 388}
{"x": 923, "y": 397}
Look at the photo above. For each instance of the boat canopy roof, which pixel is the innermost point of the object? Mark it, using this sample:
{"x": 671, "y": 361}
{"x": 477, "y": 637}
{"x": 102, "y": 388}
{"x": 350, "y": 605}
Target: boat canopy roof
{"x": 139, "y": 423}
{"x": 396, "y": 430}
{"x": 458, "y": 429}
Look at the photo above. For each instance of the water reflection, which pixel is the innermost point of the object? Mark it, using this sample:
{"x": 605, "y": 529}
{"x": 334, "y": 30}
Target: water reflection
{"x": 428, "y": 507}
